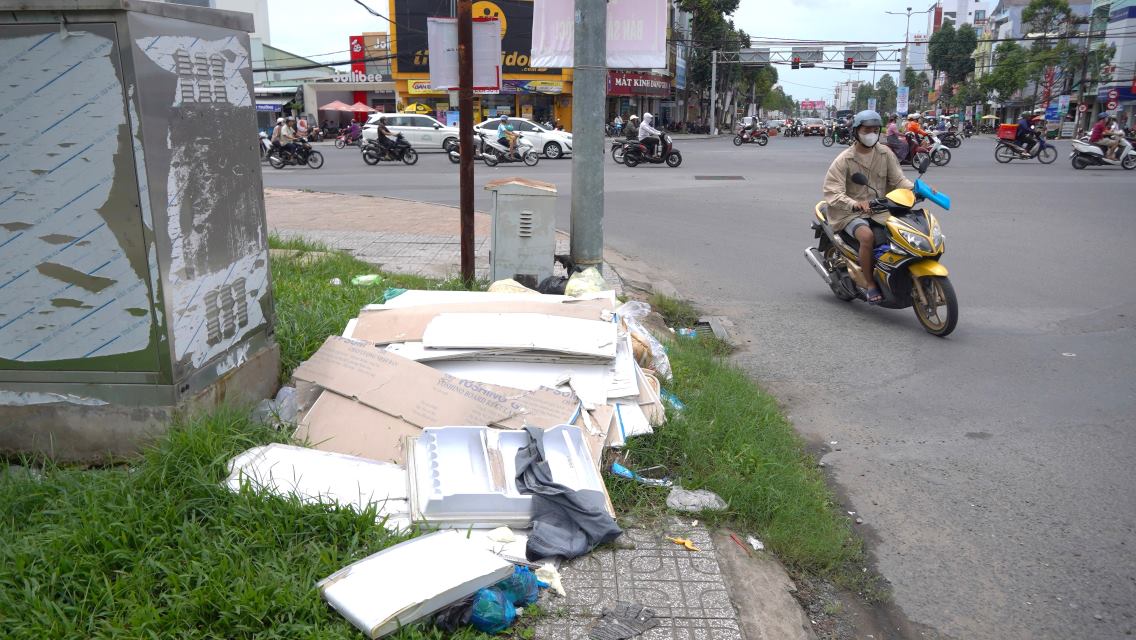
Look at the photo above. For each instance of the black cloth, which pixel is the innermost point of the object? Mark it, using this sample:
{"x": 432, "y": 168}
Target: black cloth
{"x": 566, "y": 522}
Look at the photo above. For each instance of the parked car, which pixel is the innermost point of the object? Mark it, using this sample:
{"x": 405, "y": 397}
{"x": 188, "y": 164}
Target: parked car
{"x": 814, "y": 127}
{"x": 549, "y": 142}
{"x": 775, "y": 124}
{"x": 422, "y": 132}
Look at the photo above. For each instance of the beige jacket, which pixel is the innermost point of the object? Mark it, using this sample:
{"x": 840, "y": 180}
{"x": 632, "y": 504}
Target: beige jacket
{"x": 883, "y": 172}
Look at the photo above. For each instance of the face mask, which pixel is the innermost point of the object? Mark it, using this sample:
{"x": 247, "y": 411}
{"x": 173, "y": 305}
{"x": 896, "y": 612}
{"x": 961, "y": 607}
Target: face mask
{"x": 869, "y": 139}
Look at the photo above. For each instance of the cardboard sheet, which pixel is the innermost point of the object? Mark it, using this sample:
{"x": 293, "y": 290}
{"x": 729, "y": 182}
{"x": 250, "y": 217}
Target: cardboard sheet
{"x": 527, "y": 331}
{"x": 409, "y": 581}
{"x": 373, "y": 399}
{"x": 320, "y": 477}
{"x": 383, "y": 324}
{"x": 417, "y": 297}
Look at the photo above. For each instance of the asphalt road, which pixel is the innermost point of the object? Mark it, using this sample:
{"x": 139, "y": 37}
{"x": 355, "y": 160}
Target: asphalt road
{"x": 994, "y": 469}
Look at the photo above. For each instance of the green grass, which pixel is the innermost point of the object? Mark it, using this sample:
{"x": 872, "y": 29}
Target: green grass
{"x": 309, "y": 308}
{"x": 677, "y": 313}
{"x": 733, "y": 439}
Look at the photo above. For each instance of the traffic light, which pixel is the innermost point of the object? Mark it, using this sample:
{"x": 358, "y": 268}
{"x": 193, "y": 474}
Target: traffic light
{"x": 848, "y": 62}
{"x": 796, "y": 64}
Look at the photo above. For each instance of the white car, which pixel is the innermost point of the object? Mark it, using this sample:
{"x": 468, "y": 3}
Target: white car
{"x": 549, "y": 142}
{"x": 422, "y": 132}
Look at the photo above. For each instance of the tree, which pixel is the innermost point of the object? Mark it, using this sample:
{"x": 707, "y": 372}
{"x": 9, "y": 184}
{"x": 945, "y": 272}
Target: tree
{"x": 886, "y": 94}
{"x": 1010, "y": 73}
{"x": 918, "y": 84}
{"x": 1052, "y": 24}
{"x": 949, "y": 51}
{"x": 863, "y": 93}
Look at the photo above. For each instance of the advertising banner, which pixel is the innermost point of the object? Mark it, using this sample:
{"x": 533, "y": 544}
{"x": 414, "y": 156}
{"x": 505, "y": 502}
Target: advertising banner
{"x": 901, "y": 101}
{"x": 633, "y": 83}
{"x": 636, "y": 33}
{"x": 514, "y": 17}
{"x": 871, "y": 104}
{"x": 546, "y": 87}
{"x": 443, "y": 39}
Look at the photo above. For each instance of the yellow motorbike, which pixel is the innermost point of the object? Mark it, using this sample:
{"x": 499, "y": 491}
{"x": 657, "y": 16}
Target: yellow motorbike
{"x": 908, "y": 249}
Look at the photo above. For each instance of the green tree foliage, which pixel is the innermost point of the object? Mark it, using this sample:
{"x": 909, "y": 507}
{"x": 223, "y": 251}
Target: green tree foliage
{"x": 918, "y": 85}
{"x": 886, "y": 91}
{"x": 1052, "y": 23}
{"x": 1010, "y": 73}
{"x": 949, "y": 51}
{"x": 864, "y": 92}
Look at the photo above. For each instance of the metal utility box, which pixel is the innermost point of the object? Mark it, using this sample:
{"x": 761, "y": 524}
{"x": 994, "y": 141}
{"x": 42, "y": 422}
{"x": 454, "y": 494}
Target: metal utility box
{"x": 133, "y": 245}
{"x": 524, "y": 230}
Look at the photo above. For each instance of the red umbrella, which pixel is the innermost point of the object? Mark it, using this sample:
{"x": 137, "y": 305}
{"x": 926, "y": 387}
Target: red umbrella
{"x": 359, "y": 107}
{"x": 335, "y": 105}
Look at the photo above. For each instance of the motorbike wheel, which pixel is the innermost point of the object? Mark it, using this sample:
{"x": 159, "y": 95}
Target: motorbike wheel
{"x": 455, "y": 156}
{"x": 738, "y": 141}
{"x": 490, "y": 159}
{"x": 631, "y": 160}
{"x": 276, "y": 161}
{"x": 940, "y": 315}
{"x": 1080, "y": 163}
{"x": 838, "y": 288}
{"x": 1047, "y": 155}
{"x": 828, "y": 141}
{"x": 315, "y": 159}
{"x": 941, "y": 158}
{"x": 617, "y": 154}
{"x": 762, "y": 140}
{"x": 531, "y": 158}
{"x": 1003, "y": 154}
{"x": 674, "y": 159}
{"x": 1129, "y": 162}
{"x": 917, "y": 159}
{"x": 371, "y": 158}
{"x": 449, "y": 143}
{"x": 339, "y": 143}
{"x": 409, "y": 157}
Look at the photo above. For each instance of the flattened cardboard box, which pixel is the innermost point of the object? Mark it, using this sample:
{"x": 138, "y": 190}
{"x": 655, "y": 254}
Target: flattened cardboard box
{"x": 373, "y": 399}
{"x": 408, "y": 324}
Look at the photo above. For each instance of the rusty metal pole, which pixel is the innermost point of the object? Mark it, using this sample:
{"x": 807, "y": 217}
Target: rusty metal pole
{"x": 465, "y": 135}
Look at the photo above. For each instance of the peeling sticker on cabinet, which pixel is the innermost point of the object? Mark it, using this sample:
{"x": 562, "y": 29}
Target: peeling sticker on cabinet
{"x": 207, "y": 70}
{"x": 66, "y": 217}
{"x": 25, "y": 398}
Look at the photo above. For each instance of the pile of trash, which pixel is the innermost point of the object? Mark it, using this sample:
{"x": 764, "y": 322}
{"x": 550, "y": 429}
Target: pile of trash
{"x": 482, "y": 415}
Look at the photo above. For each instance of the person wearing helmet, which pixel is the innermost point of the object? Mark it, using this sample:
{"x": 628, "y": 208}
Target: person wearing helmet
{"x": 1102, "y": 136}
{"x": 649, "y": 135}
{"x": 382, "y": 134}
{"x": 506, "y": 137}
{"x": 275, "y": 137}
{"x": 849, "y": 210}
{"x": 1025, "y": 137}
{"x": 913, "y": 126}
{"x": 288, "y": 134}
{"x": 632, "y": 130}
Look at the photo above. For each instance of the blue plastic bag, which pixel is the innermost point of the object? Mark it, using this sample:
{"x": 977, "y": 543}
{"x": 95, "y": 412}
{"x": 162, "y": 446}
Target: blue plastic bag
{"x": 493, "y": 611}
{"x": 520, "y": 587}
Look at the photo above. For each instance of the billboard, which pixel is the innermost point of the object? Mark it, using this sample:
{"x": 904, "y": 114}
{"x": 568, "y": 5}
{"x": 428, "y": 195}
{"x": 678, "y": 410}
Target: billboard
{"x": 812, "y": 105}
{"x": 413, "y": 47}
{"x": 443, "y": 38}
{"x": 636, "y": 33}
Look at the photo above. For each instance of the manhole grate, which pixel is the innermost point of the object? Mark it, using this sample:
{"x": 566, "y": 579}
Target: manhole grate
{"x": 719, "y": 177}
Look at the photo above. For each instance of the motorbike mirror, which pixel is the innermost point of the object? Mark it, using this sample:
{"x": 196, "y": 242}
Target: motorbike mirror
{"x": 924, "y": 163}
{"x": 860, "y": 179}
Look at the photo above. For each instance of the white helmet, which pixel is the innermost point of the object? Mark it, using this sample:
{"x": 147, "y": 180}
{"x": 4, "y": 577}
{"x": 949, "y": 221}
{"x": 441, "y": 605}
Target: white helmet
{"x": 913, "y": 116}
{"x": 280, "y": 121}
{"x": 634, "y": 117}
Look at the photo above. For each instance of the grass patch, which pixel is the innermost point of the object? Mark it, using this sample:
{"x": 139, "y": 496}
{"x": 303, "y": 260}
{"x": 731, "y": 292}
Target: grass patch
{"x": 162, "y": 550}
{"x": 309, "y": 308}
{"x": 733, "y": 439}
{"x": 677, "y": 313}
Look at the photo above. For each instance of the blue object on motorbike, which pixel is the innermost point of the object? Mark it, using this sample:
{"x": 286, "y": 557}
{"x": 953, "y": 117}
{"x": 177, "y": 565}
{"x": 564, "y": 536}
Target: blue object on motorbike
{"x": 881, "y": 249}
{"x": 923, "y": 190}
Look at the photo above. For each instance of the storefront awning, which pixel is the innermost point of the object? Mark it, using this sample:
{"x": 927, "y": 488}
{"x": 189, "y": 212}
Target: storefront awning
{"x": 271, "y": 103}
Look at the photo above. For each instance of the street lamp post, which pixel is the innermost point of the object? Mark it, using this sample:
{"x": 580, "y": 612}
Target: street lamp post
{"x": 906, "y": 39}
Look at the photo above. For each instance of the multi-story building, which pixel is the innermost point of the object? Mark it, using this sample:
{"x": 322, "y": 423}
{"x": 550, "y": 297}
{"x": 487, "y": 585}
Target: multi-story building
{"x": 1118, "y": 19}
{"x": 844, "y": 95}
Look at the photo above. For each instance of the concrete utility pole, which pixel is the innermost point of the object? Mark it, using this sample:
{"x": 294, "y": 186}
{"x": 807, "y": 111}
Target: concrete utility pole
{"x": 589, "y": 88}
{"x": 465, "y": 135}
{"x": 714, "y": 92}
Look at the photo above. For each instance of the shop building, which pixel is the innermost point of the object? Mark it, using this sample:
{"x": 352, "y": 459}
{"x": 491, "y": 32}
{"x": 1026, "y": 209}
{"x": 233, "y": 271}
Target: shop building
{"x": 541, "y": 94}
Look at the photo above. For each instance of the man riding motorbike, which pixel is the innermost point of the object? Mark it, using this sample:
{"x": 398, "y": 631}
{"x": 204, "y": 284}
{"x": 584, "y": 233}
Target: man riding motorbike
{"x": 1101, "y": 136}
{"x": 632, "y": 130}
{"x": 913, "y": 126}
{"x": 506, "y": 137}
{"x": 848, "y": 203}
{"x": 1025, "y": 138}
{"x": 649, "y": 135}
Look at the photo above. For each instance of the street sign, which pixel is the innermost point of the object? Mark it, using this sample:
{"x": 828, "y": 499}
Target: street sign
{"x": 1112, "y": 105}
{"x": 807, "y": 57}
{"x": 754, "y": 56}
{"x": 1081, "y": 108}
{"x": 1113, "y": 95}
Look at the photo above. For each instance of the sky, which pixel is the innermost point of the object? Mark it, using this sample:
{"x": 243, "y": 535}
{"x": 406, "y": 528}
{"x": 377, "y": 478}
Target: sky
{"x": 306, "y": 28}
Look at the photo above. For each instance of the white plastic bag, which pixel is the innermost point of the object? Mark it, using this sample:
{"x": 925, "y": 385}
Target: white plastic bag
{"x": 632, "y": 312}
{"x": 589, "y": 280}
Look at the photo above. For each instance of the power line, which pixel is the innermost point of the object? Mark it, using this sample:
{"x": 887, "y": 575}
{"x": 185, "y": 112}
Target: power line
{"x": 320, "y": 65}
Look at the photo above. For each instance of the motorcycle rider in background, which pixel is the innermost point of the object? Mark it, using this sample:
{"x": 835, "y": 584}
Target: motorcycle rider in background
{"x": 849, "y": 209}
{"x": 913, "y": 126}
{"x": 1103, "y": 138}
{"x": 383, "y": 134}
{"x": 1025, "y": 137}
{"x": 648, "y": 134}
